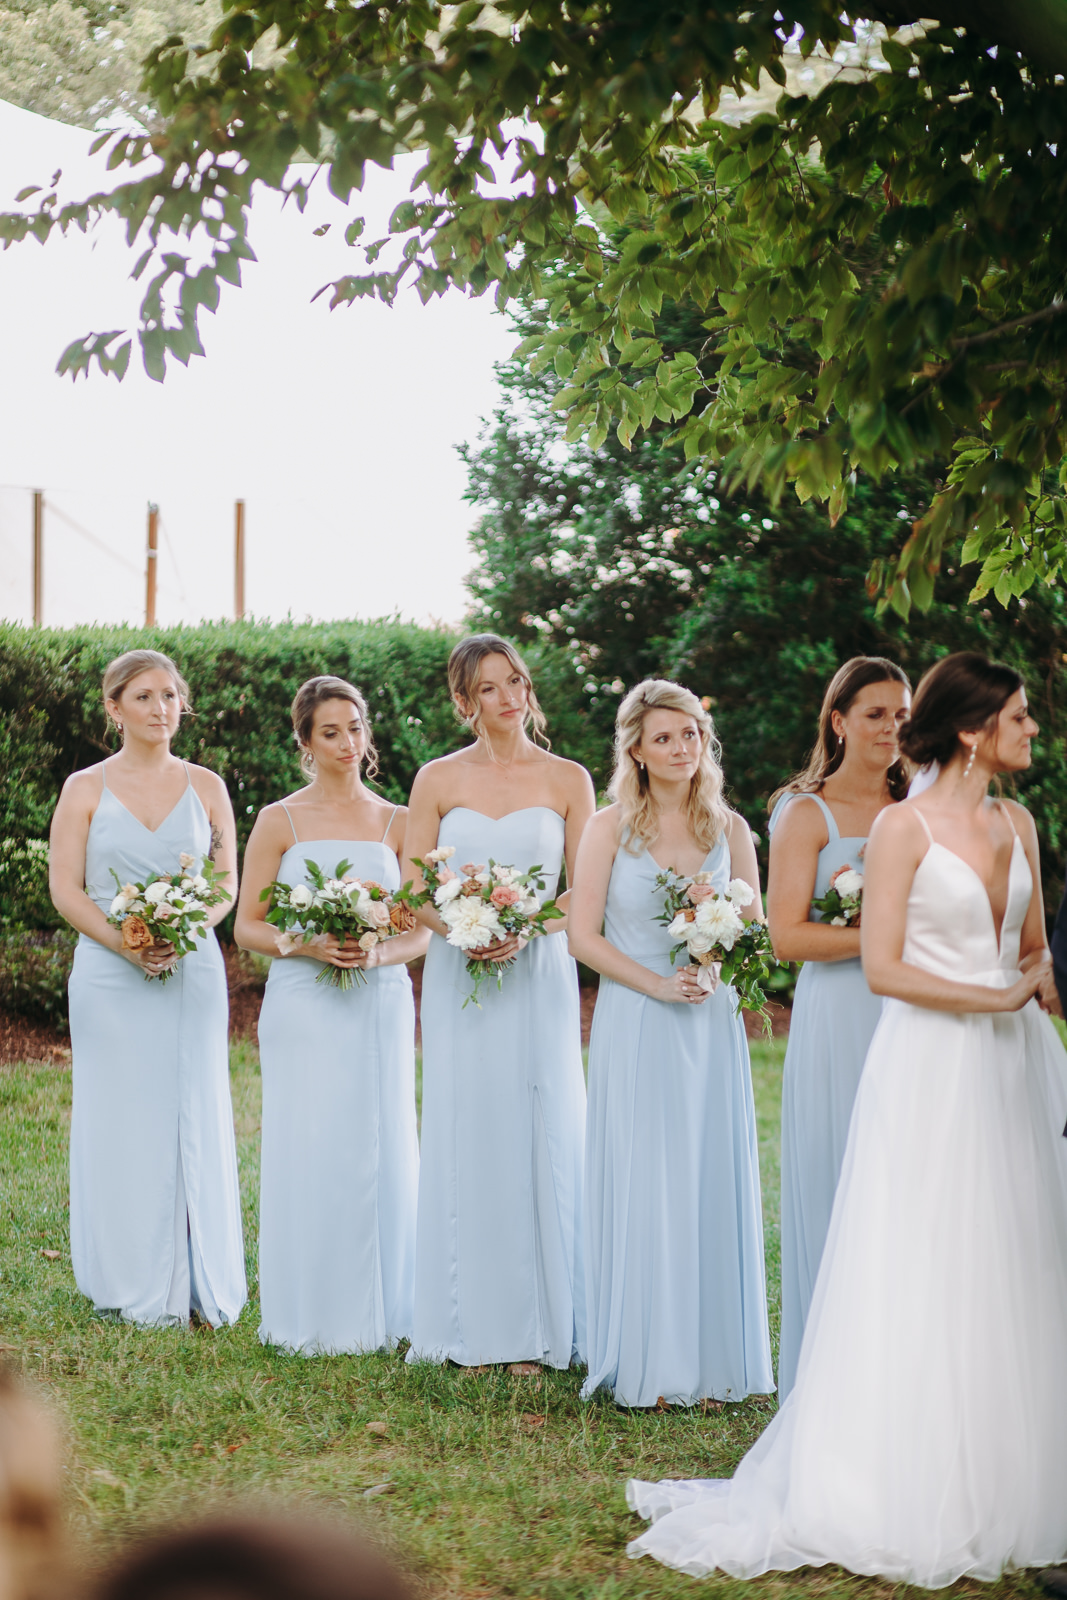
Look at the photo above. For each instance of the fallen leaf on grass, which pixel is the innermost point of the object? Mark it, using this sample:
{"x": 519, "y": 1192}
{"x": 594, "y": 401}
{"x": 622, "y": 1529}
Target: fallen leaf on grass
{"x": 710, "y": 1405}
{"x": 530, "y": 1419}
{"x": 198, "y": 1449}
{"x": 376, "y": 1489}
{"x": 50, "y": 1255}
{"x": 379, "y": 1429}
{"x": 107, "y": 1477}
{"x": 230, "y": 1448}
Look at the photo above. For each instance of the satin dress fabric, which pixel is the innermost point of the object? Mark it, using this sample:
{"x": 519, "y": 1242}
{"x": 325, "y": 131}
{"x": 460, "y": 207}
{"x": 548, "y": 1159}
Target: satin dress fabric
{"x": 155, "y": 1212}
{"x": 340, "y": 1158}
{"x": 498, "y": 1264}
{"x": 925, "y": 1438}
{"x": 830, "y": 1031}
{"x": 675, "y": 1285}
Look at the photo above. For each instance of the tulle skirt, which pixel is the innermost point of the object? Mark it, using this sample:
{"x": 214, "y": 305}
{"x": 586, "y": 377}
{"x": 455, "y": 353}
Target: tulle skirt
{"x": 926, "y": 1437}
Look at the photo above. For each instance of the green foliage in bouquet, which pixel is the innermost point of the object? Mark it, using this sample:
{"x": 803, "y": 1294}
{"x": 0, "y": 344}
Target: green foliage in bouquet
{"x": 712, "y": 934}
{"x": 341, "y": 905}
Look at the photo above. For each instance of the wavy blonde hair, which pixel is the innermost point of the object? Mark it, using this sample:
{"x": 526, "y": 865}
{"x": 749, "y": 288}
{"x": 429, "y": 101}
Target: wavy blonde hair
{"x": 463, "y": 672}
{"x": 705, "y": 811}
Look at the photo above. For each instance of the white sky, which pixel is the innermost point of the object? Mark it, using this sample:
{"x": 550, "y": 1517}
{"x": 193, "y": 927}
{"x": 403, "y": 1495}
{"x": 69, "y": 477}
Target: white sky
{"x": 336, "y": 428}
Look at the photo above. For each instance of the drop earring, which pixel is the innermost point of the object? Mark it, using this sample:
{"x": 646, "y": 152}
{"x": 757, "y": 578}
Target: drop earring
{"x": 970, "y": 761}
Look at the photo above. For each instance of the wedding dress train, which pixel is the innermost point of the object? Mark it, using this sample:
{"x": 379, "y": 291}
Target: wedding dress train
{"x": 926, "y": 1436}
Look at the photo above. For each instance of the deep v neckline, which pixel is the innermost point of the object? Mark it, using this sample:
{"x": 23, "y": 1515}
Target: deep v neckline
{"x": 108, "y": 790}
{"x": 998, "y": 933}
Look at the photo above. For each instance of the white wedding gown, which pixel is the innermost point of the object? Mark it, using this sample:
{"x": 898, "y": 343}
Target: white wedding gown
{"x": 926, "y": 1437}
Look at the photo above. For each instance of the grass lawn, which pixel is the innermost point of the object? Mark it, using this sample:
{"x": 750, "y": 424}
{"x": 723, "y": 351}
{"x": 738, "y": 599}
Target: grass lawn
{"x": 494, "y": 1485}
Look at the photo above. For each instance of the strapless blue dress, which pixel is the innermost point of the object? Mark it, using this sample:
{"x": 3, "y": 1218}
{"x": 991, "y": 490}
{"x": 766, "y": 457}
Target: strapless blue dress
{"x": 676, "y": 1292}
{"x": 833, "y": 1022}
{"x": 155, "y": 1211}
{"x": 498, "y": 1274}
{"x": 340, "y": 1163}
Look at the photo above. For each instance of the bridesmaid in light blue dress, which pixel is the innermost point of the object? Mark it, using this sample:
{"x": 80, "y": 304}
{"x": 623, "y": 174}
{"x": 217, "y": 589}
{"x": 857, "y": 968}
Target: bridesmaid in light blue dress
{"x": 155, "y": 1216}
{"x": 498, "y": 1273}
{"x": 819, "y": 826}
{"x": 676, "y": 1294}
{"x": 340, "y": 1154}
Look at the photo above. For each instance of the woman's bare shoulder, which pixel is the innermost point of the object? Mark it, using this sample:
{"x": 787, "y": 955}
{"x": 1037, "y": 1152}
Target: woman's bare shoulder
{"x": 86, "y": 783}
{"x": 800, "y": 824}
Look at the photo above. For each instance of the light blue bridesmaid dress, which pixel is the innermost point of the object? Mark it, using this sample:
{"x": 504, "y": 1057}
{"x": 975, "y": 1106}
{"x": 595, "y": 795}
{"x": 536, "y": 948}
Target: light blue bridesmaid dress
{"x": 340, "y": 1155}
{"x": 833, "y": 1021}
{"x": 498, "y": 1273}
{"x": 676, "y": 1294}
{"x": 155, "y": 1213}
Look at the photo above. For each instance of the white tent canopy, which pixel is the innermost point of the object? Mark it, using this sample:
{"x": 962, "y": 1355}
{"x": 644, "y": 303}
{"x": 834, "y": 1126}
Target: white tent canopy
{"x": 336, "y": 428}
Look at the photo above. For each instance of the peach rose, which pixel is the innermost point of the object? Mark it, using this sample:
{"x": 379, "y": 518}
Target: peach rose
{"x": 504, "y": 895}
{"x": 136, "y": 934}
{"x": 377, "y": 914}
{"x": 403, "y": 918}
{"x": 697, "y": 892}
{"x": 368, "y": 941}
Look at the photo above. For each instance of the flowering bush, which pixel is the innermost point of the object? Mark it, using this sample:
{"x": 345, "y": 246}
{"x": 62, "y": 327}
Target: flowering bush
{"x": 711, "y": 931}
{"x": 842, "y": 903}
{"x": 486, "y": 906}
{"x": 170, "y": 909}
{"x": 347, "y": 907}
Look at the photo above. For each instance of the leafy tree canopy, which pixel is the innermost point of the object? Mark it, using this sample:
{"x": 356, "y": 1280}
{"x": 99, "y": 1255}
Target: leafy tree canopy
{"x": 637, "y": 563}
{"x": 879, "y": 265}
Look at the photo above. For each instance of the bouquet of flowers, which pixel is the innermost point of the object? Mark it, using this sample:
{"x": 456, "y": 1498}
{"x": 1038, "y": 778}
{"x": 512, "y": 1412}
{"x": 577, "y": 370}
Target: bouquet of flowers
{"x": 485, "y": 906}
{"x": 171, "y": 908}
{"x": 717, "y": 939}
{"x": 842, "y": 903}
{"x": 347, "y": 907}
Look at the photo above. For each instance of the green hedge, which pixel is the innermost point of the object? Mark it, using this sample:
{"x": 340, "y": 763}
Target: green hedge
{"x": 242, "y": 677}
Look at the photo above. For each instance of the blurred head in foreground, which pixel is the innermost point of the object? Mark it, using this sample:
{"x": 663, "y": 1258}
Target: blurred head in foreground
{"x": 253, "y": 1557}
{"x": 30, "y": 1482}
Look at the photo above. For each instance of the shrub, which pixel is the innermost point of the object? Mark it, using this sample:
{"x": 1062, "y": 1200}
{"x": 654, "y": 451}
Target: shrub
{"x": 34, "y": 969}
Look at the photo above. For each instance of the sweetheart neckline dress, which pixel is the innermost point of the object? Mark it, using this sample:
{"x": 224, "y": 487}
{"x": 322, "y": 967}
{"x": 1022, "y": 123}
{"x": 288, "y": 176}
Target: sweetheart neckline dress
{"x": 675, "y": 1286}
{"x": 155, "y": 1210}
{"x": 340, "y": 1152}
{"x": 830, "y": 1030}
{"x": 498, "y": 1267}
{"x": 925, "y": 1438}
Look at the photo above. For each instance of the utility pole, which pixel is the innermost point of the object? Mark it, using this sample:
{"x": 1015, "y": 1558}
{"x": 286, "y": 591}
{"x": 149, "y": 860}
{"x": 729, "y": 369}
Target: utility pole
{"x": 239, "y": 559}
{"x": 151, "y": 564}
{"x": 38, "y": 558}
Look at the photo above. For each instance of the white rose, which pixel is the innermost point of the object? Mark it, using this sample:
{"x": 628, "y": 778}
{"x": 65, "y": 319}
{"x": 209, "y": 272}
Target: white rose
{"x": 445, "y": 852}
{"x": 185, "y": 860}
{"x": 300, "y": 897}
{"x": 157, "y": 892}
{"x": 839, "y": 922}
{"x": 447, "y": 892}
{"x": 475, "y": 924}
{"x": 529, "y": 905}
{"x": 740, "y": 892}
{"x": 177, "y": 897}
{"x": 186, "y": 885}
{"x": 483, "y": 878}
{"x": 508, "y": 875}
{"x": 719, "y": 923}
{"x": 849, "y": 884}
{"x": 200, "y": 883}
{"x": 118, "y": 906}
{"x": 136, "y": 908}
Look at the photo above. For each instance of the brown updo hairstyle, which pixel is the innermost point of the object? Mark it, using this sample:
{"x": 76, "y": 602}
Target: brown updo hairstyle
{"x": 963, "y": 693}
{"x": 828, "y": 753}
{"x": 463, "y": 665}
{"x": 311, "y": 695}
{"x": 124, "y": 668}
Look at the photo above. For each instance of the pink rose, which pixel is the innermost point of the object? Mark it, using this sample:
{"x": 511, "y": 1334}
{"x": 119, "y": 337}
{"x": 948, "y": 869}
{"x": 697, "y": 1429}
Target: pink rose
{"x": 470, "y": 869}
{"x": 378, "y": 914}
{"x": 445, "y": 875}
{"x": 697, "y": 892}
{"x": 504, "y": 895}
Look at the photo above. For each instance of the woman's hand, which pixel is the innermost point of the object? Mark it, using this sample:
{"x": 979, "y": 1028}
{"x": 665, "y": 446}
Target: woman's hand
{"x": 335, "y": 952}
{"x": 683, "y": 987}
{"x": 153, "y": 958}
{"x": 506, "y": 950}
{"x": 1015, "y": 997}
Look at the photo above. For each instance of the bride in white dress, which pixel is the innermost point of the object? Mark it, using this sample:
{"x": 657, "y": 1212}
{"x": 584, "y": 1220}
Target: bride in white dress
{"x": 926, "y": 1437}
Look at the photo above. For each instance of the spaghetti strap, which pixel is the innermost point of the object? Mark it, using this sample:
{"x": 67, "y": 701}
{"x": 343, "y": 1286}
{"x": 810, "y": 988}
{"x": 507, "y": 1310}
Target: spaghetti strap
{"x": 926, "y": 825}
{"x": 103, "y": 771}
{"x": 188, "y": 775}
{"x": 389, "y": 824}
{"x": 1007, "y": 815}
{"x": 831, "y": 823}
{"x": 292, "y": 824}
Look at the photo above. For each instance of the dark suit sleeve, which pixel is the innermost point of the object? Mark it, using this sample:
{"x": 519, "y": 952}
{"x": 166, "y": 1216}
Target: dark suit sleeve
{"x": 1058, "y": 946}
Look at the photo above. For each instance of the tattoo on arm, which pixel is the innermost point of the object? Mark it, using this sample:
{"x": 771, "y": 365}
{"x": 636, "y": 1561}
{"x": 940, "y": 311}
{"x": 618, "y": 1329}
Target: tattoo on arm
{"x": 216, "y": 841}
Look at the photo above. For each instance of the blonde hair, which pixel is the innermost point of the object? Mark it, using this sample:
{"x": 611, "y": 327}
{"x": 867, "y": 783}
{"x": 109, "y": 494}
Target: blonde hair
{"x": 122, "y": 671}
{"x": 309, "y": 697}
{"x": 706, "y": 813}
{"x": 463, "y": 664}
